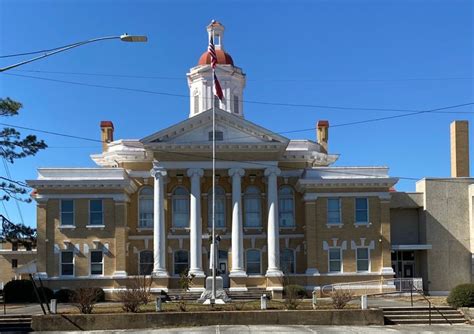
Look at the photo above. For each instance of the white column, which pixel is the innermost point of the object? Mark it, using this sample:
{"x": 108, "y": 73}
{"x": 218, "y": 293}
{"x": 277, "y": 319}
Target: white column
{"x": 159, "y": 250}
{"x": 237, "y": 229}
{"x": 273, "y": 224}
{"x": 195, "y": 224}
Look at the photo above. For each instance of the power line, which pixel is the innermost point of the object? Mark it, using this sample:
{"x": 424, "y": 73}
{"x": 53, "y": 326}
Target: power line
{"x": 36, "y": 52}
{"x": 187, "y": 96}
{"x": 156, "y": 77}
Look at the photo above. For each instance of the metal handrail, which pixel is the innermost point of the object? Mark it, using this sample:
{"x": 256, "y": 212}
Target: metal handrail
{"x": 430, "y": 305}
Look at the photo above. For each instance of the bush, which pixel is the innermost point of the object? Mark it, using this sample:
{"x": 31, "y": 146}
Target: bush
{"x": 44, "y": 292}
{"x": 19, "y": 291}
{"x": 136, "y": 293}
{"x": 86, "y": 298}
{"x": 64, "y": 295}
{"x": 296, "y": 290}
{"x": 100, "y": 295}
{"x": 462, "y": 296}
{"x": 341, "y": 297}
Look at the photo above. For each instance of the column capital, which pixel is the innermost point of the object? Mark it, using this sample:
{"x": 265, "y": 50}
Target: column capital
{"x": 237, "y": 172}
{"x": 158, "y": 171}
{"x": 195, "y": 172}
{"x": 272, "y": 171}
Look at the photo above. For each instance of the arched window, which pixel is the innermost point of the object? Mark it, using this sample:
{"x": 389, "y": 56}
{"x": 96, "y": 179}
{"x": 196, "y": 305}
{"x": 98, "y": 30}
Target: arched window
{"x": 196, "y": 103}
{"x": 286, "y": 207}
{"x": 180, "y": 203}
{"x": 146, "y": 262}
{"x": 145, "y": 207}
{"x": 287, "y": 261}
{"x": 181, "y": 261}
{"x": 253, "y": 263}
{"x": 252, "y": 207}
{"x": 220, "y": 207}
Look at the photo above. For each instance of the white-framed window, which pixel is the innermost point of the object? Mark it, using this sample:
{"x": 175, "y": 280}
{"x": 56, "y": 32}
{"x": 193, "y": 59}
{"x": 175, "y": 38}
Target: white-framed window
{"x": 145, "y": 262}
{"x": 181, "y": 261}
{"x": 66, "y": 266}
{"x": 334, "y": 211}
{"x": 67, "y": 212}
{"x": 362, "y": 210}
{"x": 220, "y": 207}
{"x": 196, "y": 102}
{"x": 363, "y": 259}
{"x": 286, "y": 206}
{"x": 252, "y": 207}
{"x": 97, "y": 262}
{"x": 335, "y": 259}
{"x": 236, "y": 104}
{"x": 287, "y": 261}
{"x": 180, "y": 203}
{"x": 96, "y": 214}
{"x": 145, "y": 207}
{"x": 253, "y": 262}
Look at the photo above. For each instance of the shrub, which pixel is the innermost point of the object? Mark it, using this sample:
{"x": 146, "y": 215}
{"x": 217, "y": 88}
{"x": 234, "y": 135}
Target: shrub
{"x": 64, "y": 295}
{"x": 86, "y": 298}
{"x": 136, "y": 293}
{"x": 462, "y": 296}
{"x": 293, "y": 294}
{"x": 341, "y": 297}
{"x": 100, "y": 295}
{"x": 19, "y": 291}
{"x": 45, "y": 293}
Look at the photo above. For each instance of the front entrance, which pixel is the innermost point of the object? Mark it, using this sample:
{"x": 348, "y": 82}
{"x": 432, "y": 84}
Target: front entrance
{"x": 403, "y": 263}
{"x": 222, "y": 269}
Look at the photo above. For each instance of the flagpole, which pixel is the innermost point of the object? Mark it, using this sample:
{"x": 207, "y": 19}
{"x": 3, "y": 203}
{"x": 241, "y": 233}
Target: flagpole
{"x": 213, "y": 294}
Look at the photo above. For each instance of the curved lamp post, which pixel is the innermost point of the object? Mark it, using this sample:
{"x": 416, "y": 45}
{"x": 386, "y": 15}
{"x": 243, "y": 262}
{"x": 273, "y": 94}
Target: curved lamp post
{"x": 123, "y": 38}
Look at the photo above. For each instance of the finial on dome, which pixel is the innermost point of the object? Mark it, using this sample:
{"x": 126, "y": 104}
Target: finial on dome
{"x": 216, "y": 29}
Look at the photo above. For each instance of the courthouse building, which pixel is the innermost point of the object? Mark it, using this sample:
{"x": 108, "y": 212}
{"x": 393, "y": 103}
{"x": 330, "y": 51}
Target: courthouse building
{"x": 282, "y": 208}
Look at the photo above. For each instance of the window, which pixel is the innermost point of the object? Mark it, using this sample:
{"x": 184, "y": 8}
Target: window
{"x": 97, "y": 262}
{"x": 14, "y": 263}
{"x": 286, "y": 209}
{"x": 362, "y": 216}
{"x": 196, "y": 103}
{"x": 219, "y": 136}
{"x": 334, "y": 211}
{"x": 181, "y": 262}
{"x": 180, "y": 207}
{"x": 67, "y": 212}
{"x": 220, "y": 207}
{"x": 95, "y": 212}
{"x": 253, "y": 262}
{"x": 67, "y": 263}
{"x": 146, "y": 262}
{"x": 145, "y": 207}
{"x": 14, "y": 245}
{"x": 236, "y": 104}
{"x": 287, "y": 261}
{"x": 335, "y": 259}
{"x": 252, "y": 207}
{"x": 362, "y": 256}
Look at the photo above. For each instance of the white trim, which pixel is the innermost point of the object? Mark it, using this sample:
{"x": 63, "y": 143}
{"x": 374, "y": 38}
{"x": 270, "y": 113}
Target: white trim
{"x": 95, "y": 226}
{"x": 369, "y": 266}
{"x": 101, "y": 211}
{"x": 73, "y": 225}
{"x": 17, "y": 252}
{"x": 66, "y": 227}
{"x": 90, "y": 263}
{"x": 312, "y": 196}
{"x": 412, "y": 247}
{"x": 115, "y": 197}
{"x": 219, "y": 164}
{"x": 61, "y": 263}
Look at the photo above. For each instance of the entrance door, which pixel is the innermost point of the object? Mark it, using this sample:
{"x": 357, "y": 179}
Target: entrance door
{"x": 408, "y": 269}
{"x": 222, "y": 269}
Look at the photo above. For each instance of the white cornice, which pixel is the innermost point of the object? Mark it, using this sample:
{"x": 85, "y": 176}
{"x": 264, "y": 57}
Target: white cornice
{"x": 115, "y": 197}
{"x": 315, "y": 195}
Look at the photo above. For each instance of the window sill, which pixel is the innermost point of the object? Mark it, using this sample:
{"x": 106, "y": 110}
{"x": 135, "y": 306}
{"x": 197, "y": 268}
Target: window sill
{"x": 362, "y": 224}
{"x": 141, "y": 229}
{"x": 288, "y": 228}
{"x": 334, "y": 225}
{"x": 180, "y": 229}
{"x": 67, "y": 227}
{"x": 251, "y": 228}
{"x": 95, "y": 226}
{"x": 222, "y": 229}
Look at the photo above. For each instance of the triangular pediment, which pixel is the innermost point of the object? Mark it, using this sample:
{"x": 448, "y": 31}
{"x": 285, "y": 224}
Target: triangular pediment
{"x": 198, "y": 129}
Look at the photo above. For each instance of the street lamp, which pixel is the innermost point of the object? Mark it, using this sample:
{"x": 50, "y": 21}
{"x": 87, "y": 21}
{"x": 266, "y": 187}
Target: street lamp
{"x": 123, "y": 38}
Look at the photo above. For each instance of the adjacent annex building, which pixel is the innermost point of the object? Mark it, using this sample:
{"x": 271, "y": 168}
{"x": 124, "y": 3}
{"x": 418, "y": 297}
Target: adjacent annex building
{"x": 281, "y": 207}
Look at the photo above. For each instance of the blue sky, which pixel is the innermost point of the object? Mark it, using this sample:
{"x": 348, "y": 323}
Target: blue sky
{"x": 367, "y": 54}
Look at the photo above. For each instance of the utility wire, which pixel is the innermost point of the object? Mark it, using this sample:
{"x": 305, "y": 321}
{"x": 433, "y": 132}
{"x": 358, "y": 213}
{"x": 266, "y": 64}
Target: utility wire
{"x": 204, "y": 157}
{"x": 187, "y": 96}
{"x": 36, "y": 52}
{"x": 7, "y": 170}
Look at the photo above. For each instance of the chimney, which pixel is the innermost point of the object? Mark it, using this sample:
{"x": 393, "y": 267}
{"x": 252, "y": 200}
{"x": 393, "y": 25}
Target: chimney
{"x": 107, "y": 133}
{"x": 322, "y": 133}
{"x": 460, "y": 149}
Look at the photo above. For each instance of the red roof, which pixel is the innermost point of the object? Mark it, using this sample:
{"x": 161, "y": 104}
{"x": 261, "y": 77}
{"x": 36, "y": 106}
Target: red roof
{"x": 223, "y": 58}
{"x": 106, "y": 124}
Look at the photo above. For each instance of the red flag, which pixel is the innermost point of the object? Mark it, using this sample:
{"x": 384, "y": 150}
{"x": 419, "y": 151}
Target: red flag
{"x": 217, "y": 88}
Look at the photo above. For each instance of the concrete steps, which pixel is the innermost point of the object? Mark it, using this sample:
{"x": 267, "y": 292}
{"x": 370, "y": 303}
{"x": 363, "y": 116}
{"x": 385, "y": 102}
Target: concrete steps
{"x": 250, "y": 294}
{"x": 421, "y": 315}
{"x": 15, "y": 323}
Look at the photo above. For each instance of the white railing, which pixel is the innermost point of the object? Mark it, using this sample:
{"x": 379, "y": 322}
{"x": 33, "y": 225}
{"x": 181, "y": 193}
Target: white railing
{"x": 372, "y": 287}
